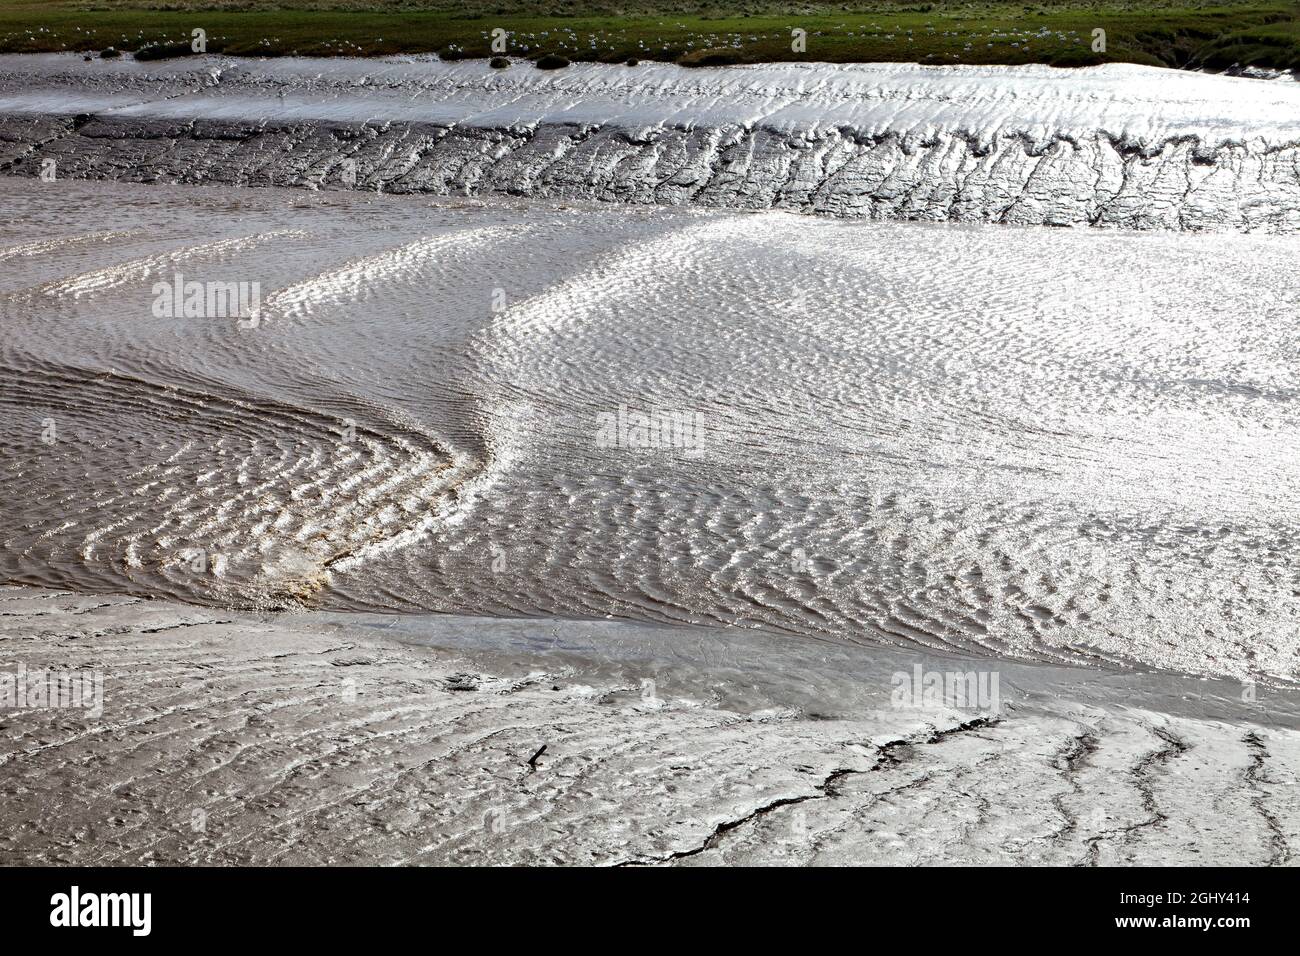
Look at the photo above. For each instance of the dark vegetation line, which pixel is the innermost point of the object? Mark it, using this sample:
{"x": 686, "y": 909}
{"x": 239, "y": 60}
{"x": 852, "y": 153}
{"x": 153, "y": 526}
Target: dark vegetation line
{"x": 1057, "y": 32}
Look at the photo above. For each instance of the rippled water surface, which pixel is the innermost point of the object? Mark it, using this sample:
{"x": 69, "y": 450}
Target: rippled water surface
{"x": 1060, "y": 444}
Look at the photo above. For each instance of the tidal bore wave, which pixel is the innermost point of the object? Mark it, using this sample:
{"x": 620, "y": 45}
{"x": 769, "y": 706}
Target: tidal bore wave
{"x": 1074, "y": 445}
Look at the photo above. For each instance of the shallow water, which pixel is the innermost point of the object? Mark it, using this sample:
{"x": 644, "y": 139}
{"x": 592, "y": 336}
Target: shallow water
{"x": 1053, "y": 444}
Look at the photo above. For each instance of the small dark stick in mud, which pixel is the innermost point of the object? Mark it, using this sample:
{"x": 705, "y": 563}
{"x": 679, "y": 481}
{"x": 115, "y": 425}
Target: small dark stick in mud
{"x": 532, "y": 761}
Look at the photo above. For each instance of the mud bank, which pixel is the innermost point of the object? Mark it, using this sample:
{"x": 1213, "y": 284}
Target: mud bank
{"x": 234, "y": 738}
{"x": 1118, "y": 145}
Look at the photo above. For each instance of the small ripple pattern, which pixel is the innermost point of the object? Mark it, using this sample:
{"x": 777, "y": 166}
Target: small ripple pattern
{"x": 1051, "y": 445}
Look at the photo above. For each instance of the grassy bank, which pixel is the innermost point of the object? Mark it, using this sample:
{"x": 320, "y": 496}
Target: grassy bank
{"x": 1058, "y": 32}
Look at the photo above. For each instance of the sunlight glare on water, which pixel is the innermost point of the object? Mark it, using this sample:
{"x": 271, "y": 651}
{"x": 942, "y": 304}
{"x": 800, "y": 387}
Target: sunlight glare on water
{"x": 1059, "y": 444}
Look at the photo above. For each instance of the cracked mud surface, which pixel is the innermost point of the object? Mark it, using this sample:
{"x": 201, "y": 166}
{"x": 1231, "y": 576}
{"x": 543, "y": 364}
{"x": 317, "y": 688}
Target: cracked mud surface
{"x": 319, "y": 738}
{"x": 1118, "y": 146}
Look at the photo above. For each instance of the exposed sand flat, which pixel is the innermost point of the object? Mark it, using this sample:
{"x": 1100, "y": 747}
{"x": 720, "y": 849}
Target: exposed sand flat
{"x": 1119, "y": 145}
{"x": 233, "y": 738}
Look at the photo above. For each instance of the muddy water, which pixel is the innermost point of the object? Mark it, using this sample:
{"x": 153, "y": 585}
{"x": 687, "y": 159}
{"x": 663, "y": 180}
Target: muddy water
{"x": 1063, "y": 445}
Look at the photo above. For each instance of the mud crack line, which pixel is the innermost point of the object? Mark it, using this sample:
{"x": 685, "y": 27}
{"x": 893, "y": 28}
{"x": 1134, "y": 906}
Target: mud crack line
{"x": 885, "y": 759}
